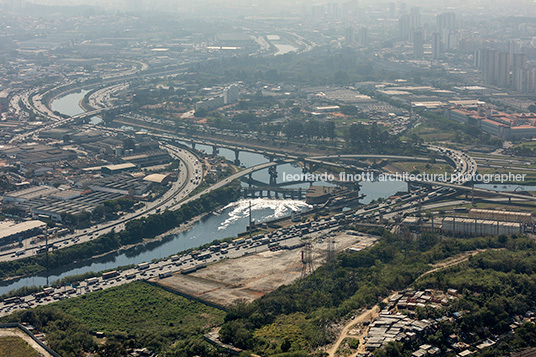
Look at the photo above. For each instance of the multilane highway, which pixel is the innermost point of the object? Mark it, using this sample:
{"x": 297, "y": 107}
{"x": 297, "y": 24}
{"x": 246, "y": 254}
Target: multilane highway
{"x": 465, "y": 167}
{"x": 187, "y": 262}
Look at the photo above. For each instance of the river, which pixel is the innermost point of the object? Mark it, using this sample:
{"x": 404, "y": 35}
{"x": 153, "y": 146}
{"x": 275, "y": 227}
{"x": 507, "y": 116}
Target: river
{"x": 232, "y": 220}
{"x": 70, "y": 105}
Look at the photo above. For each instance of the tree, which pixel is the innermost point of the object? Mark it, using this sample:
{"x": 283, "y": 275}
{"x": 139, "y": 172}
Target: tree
{"x": 129, "y": 144}
{"x": 330, "y": 130}
{"x": 112, "y": 349}
{"x": 349, "y": 110}
{"x": 293, "y": 129}
{"x": 392, "y": 349}
{"x": 285, "y": 346}
{"x": 200, "y": 113}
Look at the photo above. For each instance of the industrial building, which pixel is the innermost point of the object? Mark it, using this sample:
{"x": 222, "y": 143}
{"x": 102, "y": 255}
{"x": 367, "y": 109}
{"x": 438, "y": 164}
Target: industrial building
{"x": 327, "y": 109}
{"x": 508, "y": 216}
{"x": 160, "y": 179}
{"x": 56, "y": 204}
{"x": 67, "y": 194}
{"x": 503, "y": 125}
{"x": 120, "y": 184}
{"x": 57, "y": 209}
{"x": 148, "y": 159}
{"x": 228, "y": 96}
{"x": 479, "y": 227}
{"x": 13, "y": 232}
{"x": 28, "y": 194}
{"x": 36, "y": 153}
{"x": 115, "y": 169}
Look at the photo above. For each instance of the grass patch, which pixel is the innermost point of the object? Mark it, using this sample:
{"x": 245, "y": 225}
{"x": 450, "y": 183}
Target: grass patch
{"x": 134, "y": 315}
{"x": 347, "y": 347}
{"x": 423, "y": 167}
{"x": 11, "y": 346}
{"x": 139, "y": 308}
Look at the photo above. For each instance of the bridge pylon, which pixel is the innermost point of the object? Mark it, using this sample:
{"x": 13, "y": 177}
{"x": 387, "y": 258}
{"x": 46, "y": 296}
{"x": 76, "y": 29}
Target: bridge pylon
{"x": 237, "y": 157}
{"x": 273, "y": 175}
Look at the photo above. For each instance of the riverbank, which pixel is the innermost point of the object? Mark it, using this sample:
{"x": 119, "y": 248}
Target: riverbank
{"x": 168, "y": 235}
{"x": 139, "y": 231}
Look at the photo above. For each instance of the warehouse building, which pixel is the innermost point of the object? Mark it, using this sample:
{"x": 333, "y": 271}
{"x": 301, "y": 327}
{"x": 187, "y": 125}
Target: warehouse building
{"x": 508, "y": 216}
{"x": 29, "y": 194}
{"x": 115, "y": 169}
{"x": 148, "y": 159}
{"x": 479, "y": 227}
{"x": 36, "y": 153}
{"x": 12, "y": 232}
{"x": 160, "y": 179}
{"x": 121, "y": 184}
{"x": 57, "y": 209}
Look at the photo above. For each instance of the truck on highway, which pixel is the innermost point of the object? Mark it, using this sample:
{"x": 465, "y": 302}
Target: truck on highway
{"x": 12, "y": 300}
{"x": 110, "y": 274}
{"x": 143, "y": 266}
{"x": 164, "y": 275}
{"x": 238, "y": 241}
{"x": 92, "y": 281}
{"x": 204, "y": 256}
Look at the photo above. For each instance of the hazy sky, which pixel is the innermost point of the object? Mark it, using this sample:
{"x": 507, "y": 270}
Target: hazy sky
{"x": 495, "y": 7}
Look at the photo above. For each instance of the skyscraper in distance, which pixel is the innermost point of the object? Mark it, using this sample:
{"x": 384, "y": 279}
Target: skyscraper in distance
{"x": 363, "y": 36}
{"x": 436, "y": 46}
{"x": 418, "y": 44}
{"x": 349, "y": 36}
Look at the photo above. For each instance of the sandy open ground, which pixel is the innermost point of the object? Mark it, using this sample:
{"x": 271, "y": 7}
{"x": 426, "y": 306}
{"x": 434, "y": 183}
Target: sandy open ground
{"x": 251, "y": 276}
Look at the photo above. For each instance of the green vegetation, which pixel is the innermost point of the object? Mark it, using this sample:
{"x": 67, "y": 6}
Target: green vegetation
{"x": 525, "y": 149}
{"x": 134, "y": 315}
{"x": 11, "y": 346}
{"x": 5, "y": 185}
{"x": 436, "y": 127}
{"x": 372, "y": 139}
{"x": 105, "y": 212}
{"x": 348, "y": 347}
{"x": 309, "y": 129}
{"x": 530, "y": 176}
{"x": 135, "y": 232}
{"x": 422, "y": 167}
{"x": 499, "y": 289}
{"x": 340, "y": 67}
{"x": 302, "y": 313}
{"x": 22, "y": 291}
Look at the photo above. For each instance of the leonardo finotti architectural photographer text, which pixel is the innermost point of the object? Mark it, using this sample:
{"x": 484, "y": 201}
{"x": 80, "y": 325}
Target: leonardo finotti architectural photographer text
{"x": 404, "y": 176}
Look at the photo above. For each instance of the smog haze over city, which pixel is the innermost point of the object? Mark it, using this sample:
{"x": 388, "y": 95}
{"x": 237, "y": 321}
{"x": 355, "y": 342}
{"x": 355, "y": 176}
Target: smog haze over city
{"x": 267, "y": 178}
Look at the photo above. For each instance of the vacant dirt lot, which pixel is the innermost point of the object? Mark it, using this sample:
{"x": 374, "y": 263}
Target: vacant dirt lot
{"x": 251, "y": 276}
{"x": 16, "y": 332}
